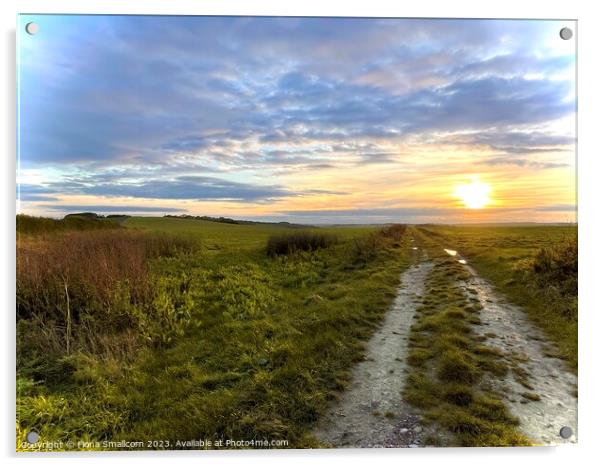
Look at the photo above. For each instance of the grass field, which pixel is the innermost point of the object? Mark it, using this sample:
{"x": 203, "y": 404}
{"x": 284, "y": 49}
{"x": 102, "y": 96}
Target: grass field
{"x": 203, "y": 336}
{"x": 165, "y": 330}
{"x": 217, "y": 236}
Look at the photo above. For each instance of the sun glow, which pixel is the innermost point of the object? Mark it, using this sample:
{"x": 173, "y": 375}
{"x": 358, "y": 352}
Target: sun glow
{"x": 474, "y": 195}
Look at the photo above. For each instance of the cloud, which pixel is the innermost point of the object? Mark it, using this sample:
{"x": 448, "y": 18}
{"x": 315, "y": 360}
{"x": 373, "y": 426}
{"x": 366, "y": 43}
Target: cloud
{"x": 395, "y": 215}
{"x": 189, "y": 187}
{"x": 558, "y": 208}
{"x": 187, "y": 144}
{"x": 521, "y": 162}
{"x": 511, "y": 65}
{"x": 384, "y": 212}
{"x": 146, "y": 93}
{"x": 522, "y": 141}
{"x": 109, "y": 208}
{"x": 368, "y": 216}
{"x": 31, "y": 193}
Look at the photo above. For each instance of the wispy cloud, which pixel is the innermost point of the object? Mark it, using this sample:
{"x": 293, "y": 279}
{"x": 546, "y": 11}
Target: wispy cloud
{"x": 189, "y": 187}
{"x": 111, "y": 208}
{"x": 521, "y": 162}
{"x": 29, "y": 192}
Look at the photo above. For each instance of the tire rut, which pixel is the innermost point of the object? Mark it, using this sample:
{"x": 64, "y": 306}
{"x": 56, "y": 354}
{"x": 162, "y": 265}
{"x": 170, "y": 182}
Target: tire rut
{"x": 543, "y": 376}
{"x": 371, "y": 413}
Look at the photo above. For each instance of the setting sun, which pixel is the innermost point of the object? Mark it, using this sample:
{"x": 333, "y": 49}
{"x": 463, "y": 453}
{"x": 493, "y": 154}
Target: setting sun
{"x": 474, "y": 195}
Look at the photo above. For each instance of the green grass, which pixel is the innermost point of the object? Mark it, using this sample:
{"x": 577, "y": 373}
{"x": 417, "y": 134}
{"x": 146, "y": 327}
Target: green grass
{"x": 528, "y": 265}
{"x": 450, "y": 365}
{"x": 261, "y": 346}
{"x": 229, "y": 238}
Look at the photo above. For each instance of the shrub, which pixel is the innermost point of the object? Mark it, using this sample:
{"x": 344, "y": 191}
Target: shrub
{"x": 552, "y": 277}
{"x": 395, "y": 232}
{"x": 557, "y": 266}
{"x": 301, "y": 241}
{"x": 367, "y": 247}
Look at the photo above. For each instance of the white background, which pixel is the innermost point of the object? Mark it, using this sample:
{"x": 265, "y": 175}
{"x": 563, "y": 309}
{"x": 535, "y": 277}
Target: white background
{"x": 590, "y": 234}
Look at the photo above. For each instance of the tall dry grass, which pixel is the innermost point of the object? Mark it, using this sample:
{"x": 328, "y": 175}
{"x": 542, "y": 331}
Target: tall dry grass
{"x": 558, "y": 266}
{"x": 86, "y": 291}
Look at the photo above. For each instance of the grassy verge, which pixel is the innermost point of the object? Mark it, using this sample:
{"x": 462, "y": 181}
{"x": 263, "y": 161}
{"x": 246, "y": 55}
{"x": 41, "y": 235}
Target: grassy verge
{"x": 534, "y": 267}
{"x": 450, "y": 364}
{"x": 268, "y": 341}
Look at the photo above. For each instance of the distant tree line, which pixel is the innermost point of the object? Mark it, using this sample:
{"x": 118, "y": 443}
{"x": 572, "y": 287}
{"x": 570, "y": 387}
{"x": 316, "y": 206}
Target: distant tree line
{"x": 230, "y": 220}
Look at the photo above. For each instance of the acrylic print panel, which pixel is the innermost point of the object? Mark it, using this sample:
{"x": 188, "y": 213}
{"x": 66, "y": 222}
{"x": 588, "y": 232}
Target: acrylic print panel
{"x": 271, "y": 232}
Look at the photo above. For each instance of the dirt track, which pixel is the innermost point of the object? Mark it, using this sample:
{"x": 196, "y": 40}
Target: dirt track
{"x": 548, "y": 377}
{"x": 372, "y": 413}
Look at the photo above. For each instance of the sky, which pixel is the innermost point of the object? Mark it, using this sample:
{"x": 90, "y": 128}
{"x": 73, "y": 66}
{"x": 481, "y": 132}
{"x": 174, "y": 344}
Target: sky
{"x": 307, "y": 120}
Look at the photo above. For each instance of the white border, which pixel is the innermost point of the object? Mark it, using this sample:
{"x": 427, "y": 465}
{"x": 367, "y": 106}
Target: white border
{"x": 590, "y": 121}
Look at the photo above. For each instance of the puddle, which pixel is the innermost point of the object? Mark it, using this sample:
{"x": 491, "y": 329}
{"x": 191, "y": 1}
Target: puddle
{"x": 462, "y": 261}
{"x": 451, "y": 252}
